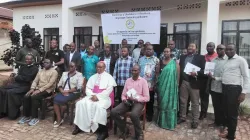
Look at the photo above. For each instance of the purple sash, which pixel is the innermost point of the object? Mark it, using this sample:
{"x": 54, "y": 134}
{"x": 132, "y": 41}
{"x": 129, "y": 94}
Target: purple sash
{"x": 97, "y": 90}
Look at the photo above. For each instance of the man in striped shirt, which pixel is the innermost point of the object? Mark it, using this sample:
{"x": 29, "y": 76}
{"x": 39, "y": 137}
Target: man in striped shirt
{"x": 122, "y": 71}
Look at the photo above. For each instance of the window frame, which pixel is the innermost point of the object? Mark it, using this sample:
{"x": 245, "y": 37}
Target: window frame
{"x": 188, "y": 33}
{"x": 82, "y": 35}
{"x": 237, "y": 31}
{"x": 187, "y": 23}
{"x": 51, "y": 35}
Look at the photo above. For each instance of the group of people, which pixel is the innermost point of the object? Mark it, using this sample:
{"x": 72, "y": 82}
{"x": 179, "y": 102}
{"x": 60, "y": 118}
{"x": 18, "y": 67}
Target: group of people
{"x": 128, "y": 83}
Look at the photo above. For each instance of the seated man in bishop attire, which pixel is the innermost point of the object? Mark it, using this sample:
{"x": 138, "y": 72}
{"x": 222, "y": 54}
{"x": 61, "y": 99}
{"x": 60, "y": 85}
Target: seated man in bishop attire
{"x": 91, "y": 111}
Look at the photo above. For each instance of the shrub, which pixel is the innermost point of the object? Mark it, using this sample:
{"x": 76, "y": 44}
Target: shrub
{"x": 10, "y": 54}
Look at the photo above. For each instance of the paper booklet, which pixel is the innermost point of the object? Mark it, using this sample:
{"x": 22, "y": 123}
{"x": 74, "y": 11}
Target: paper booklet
{"x": 191, "y": 68}
{"x": 209, "y": 68}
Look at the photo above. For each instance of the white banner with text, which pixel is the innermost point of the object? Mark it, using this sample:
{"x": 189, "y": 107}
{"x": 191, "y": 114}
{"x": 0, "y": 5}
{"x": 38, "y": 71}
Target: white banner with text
{"x": 131, "y": 26}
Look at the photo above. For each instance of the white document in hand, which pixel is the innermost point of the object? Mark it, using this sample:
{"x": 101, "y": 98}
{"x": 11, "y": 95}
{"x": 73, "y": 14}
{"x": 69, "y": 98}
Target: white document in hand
{"x": 191, "y": 68}
{"x": 209, "y": 68}
{"x": 132, "y": 94}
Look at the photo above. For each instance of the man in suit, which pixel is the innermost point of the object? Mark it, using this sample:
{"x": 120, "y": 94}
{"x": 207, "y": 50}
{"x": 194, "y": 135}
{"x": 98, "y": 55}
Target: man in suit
{"x": 108, "y": 58}
{"x": 73, "y": 56}
{"x": 190, "y": 84}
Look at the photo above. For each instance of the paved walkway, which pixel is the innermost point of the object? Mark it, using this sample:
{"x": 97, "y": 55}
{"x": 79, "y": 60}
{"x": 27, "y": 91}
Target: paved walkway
{"x": 10, "y": 130}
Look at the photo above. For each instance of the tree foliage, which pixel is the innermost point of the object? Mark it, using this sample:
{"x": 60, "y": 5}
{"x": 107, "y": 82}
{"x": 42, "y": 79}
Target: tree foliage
{"x": 27, "y": 32}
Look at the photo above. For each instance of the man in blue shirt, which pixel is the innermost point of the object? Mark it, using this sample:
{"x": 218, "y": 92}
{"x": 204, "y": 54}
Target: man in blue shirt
{"x": 83, "y": 50}
{"x": 89, "y": 62}
{"x": 148, "y": 65}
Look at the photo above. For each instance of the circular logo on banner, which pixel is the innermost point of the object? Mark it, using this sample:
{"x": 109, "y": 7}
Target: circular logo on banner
{"x": 130, "y": 24}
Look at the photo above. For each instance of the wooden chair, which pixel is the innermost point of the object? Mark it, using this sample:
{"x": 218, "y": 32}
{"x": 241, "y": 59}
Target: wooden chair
{"x": 70, "y": 106}
{"x": 46, "y": 103}
{"x": 110, "y": 122}
{"x": 127, "y": 115}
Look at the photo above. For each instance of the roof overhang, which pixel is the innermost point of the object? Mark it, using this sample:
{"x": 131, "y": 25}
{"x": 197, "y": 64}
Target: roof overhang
{"x": 28, "y": 3}
{"x": 6, "y": 13}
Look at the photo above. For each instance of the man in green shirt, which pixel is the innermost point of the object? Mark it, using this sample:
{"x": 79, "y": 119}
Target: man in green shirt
{"x": 27, "y": 50}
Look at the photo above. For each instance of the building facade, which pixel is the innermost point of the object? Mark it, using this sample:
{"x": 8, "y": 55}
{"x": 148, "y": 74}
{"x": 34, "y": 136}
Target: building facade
{"x": 189, "y": 21}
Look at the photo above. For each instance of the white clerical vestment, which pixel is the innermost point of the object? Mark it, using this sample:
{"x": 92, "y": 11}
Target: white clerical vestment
{"x": 88, "y": 113}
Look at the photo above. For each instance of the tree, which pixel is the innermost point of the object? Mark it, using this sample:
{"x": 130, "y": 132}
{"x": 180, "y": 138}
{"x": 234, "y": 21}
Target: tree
{"x": 10, "y": 54}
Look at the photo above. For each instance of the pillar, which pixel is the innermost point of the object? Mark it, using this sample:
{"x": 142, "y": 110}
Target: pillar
{"x": 67, "y": 24}
{"x": 213, "y": 12}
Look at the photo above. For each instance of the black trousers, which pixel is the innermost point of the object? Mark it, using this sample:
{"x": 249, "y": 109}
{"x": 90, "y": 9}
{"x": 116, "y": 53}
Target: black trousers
{"x": 150, "y": 106}
{"x": 121, "y": 109}
{"x": 32, "y": 103}
{"x": 217, "y": 99}
{"x": 119, "y": 93}
{"x": 11, "y": 99}
{"x": 204, "y": 96}
{"x": 231, "y": 107}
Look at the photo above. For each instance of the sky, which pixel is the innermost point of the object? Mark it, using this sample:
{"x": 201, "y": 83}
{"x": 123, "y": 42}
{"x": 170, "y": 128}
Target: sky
{"x": 2, "y": 1}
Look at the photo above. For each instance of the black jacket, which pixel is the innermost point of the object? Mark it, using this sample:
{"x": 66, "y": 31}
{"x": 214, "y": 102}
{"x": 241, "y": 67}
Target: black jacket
{"x": 199, "y": 61}
{"x": 26, "y": 74}
{"x": 112, "y": 62}
{"x": 76, "y": 58}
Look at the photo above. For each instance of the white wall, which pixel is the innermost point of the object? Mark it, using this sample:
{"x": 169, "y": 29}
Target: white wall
{"x": 170, "y": 16}
{"x": 39, "y": 22}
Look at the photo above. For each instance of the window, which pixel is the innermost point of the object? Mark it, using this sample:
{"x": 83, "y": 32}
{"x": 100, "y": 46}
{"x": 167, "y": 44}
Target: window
{"x": 186, "y": 33}
{"x": 100, "y": 37}
{"x": 82, "y": 35}
{"x": 237, "y": 32}
{"x": 163, "y": 39}
{"x": 49, "y": 34}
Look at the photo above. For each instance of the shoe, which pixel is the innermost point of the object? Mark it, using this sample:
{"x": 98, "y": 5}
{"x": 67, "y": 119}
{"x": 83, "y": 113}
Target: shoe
{"x": 202, "y": 116}
{"x": 179, "y": 121}
{"x": 103, "y": 135}
{"x": 24, "y": 120}
{"x": 3, "y": 115}
{"x": 194, "y": 125}
{"x": 124, "y": 134}
{"x": 76, "y": 130}
{"x": 223, "y": 134}
{"x": 222, "y": 129}
{"x": 58, "y": 124}
{"x": 213, "y": 125}
{"x": 140, "y": 137}
{"x": 149, "y": 119}
{"x": 103, "y": 132}
{"x": 33, "y": 122}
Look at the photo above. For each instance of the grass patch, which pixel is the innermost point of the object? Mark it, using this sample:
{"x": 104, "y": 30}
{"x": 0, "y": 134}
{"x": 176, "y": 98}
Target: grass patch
{"x": 244, "y": 109}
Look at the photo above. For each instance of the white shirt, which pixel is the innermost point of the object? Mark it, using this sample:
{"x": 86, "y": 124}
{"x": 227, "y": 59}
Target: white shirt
{"x": 70, "y": 56}
{"x": 136, "y": 54}
{"x": 107, "y": 63}
{"x": 216, "y": 85}
{"x": 235, "y": 72}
